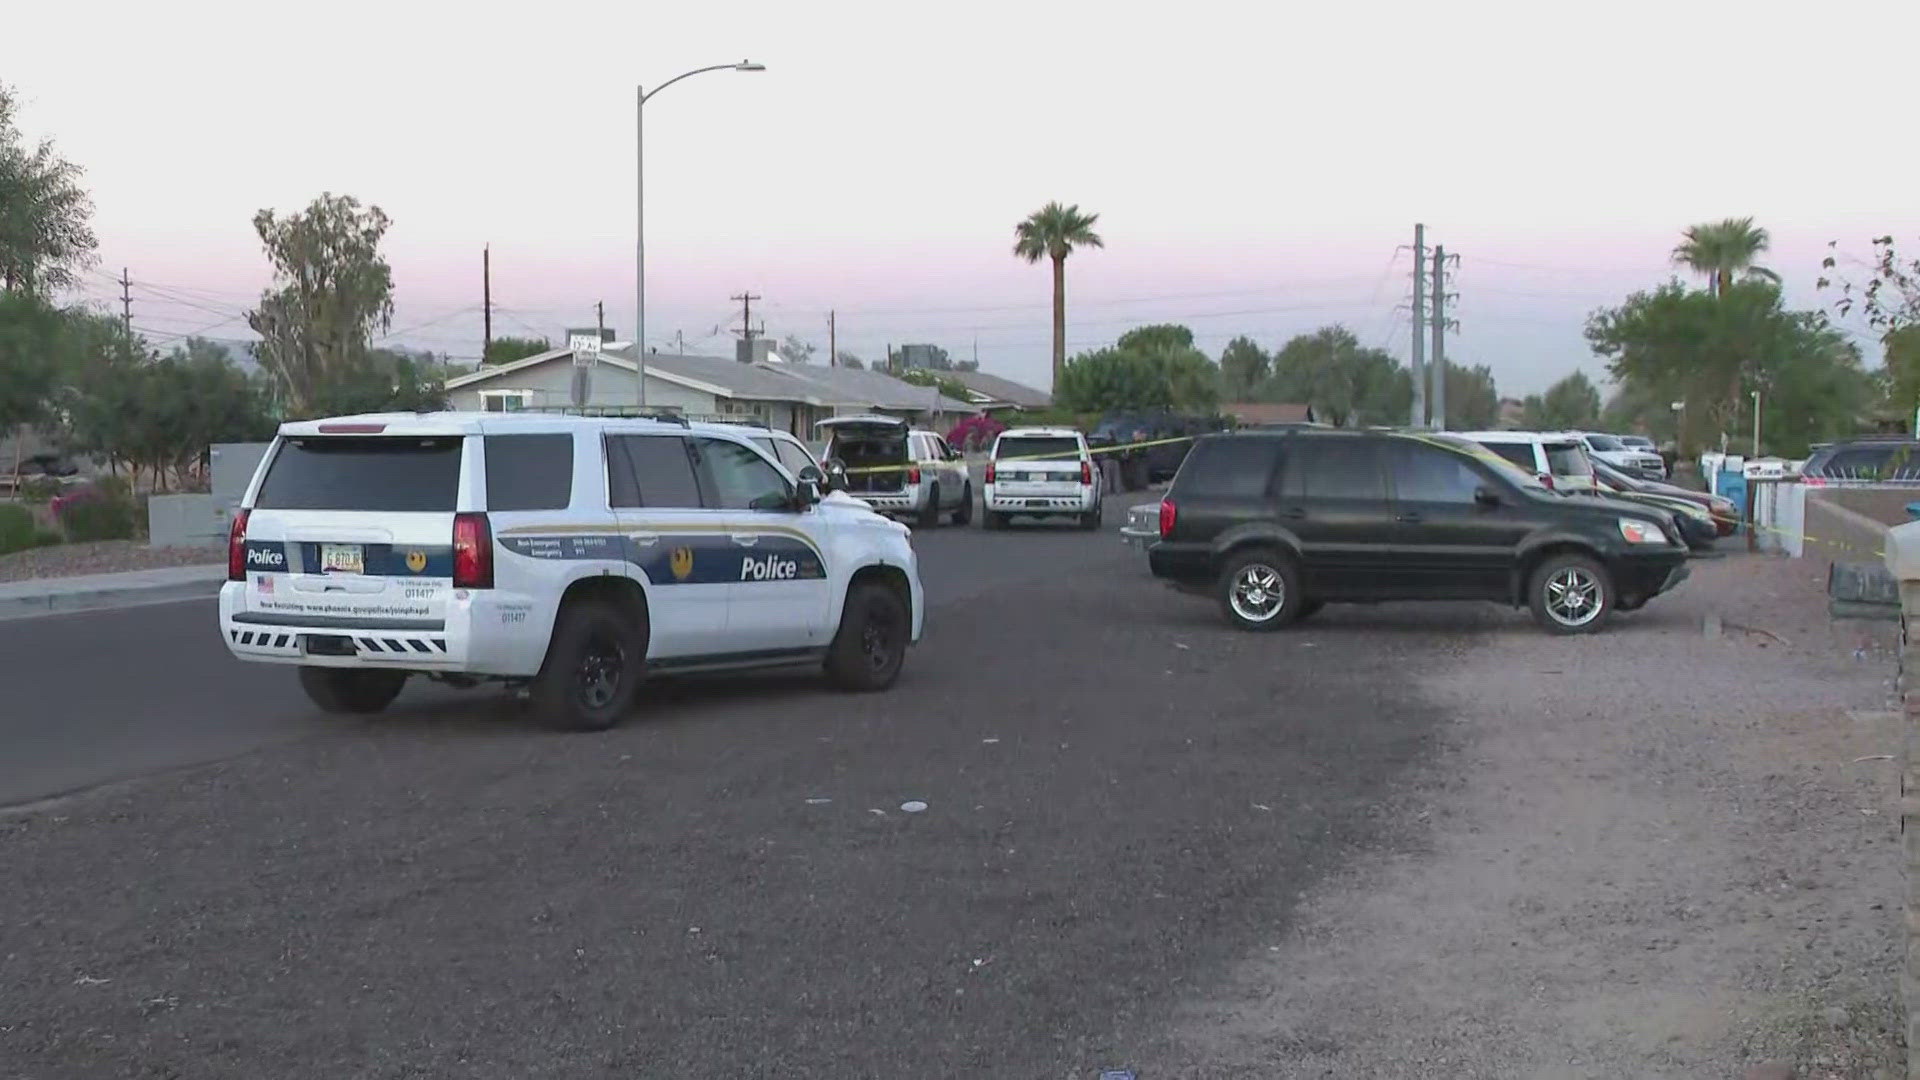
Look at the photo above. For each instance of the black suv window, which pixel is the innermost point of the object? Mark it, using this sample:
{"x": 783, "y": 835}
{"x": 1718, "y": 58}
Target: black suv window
{"x": 1233, "y": 466}
{"x": 1424, "y": 473}
{"x": 529, "y": 472}
{"x": 1520, "y": 454}
{"x": 650, "y": 470}
{"x": 1335, "y": 468}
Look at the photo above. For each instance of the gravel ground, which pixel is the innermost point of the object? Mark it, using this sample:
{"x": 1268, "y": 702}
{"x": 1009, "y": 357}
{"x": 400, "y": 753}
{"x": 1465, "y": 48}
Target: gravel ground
{"x": 1656, "y": 853}
{"x": 100, "y": 557}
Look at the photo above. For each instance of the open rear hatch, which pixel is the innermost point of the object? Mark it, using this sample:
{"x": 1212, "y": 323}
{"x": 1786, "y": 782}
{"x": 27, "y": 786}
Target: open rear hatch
{"x": 873, "y": 448}
{"x": 354, "y": 531}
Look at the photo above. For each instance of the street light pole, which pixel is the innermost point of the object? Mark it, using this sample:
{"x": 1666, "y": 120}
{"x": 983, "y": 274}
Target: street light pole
{"x": 641, "y": 94}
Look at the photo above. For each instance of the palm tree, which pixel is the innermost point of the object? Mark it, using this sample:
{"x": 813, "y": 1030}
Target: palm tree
{"x": 1053, "y": 231}
{"x": 1719, "y": 250}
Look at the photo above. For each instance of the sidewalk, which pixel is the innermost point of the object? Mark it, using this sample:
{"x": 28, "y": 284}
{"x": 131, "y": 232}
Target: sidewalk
{"x": 92, "y": 592}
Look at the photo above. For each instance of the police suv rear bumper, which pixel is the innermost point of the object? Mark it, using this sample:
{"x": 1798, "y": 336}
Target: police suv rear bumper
{"x": 446, "y": 644}
{"x": 1000, "y": 501}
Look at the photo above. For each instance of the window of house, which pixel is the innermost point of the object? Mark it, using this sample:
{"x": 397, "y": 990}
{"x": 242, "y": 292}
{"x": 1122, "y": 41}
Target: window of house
{"x": 506, "y": 400}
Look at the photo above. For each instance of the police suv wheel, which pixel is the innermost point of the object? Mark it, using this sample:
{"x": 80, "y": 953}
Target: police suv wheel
{"x": 993, "y": 520}
{"x": 964, "y": 515}
{"x": 871, "y": 645}
{"x": 593, "y": 669}
{"x": 930, "y": 514}
{"x": 351, "y": 690}
{"x": 1260, "y": 590}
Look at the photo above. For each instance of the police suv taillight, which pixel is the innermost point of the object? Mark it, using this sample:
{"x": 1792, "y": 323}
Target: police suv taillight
{"x": 990, "y": 472}
{"x": 1086, "y": 473}
{"x": 472, "y": 551}
{"x": 237, "y": 547}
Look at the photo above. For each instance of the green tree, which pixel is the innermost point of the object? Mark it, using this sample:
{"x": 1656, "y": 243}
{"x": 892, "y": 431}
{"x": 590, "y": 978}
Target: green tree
{"x": 1346, "y": 383}
{"x": 1888, "y": 297}
{"x": 35, "y": 336}
{"x": 1473, "y": 403}
{"x": 332, "y": 291}
{"x": 45, "y": 233}
{"x": 846, "y": 359}
{"x": 1902, "y": 372}
{"x": 1711, "y": 352}
{"x": 1053, "y": 232}
{"x": 505, "y": 350}
{"x": 1150, "y": 367}
{"x": 385, "y": 381}
{"x": 1244, "y": 367}
{"x": 1573, "y": 403}
{"x": 1720, "y": 250}
{"x": 948, "y": 385}
{"x": 796, "y": 350}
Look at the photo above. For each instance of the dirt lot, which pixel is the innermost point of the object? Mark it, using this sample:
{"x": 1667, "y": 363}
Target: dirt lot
{"x": 101, "y": 557}
{"x": 1662, "y": 852}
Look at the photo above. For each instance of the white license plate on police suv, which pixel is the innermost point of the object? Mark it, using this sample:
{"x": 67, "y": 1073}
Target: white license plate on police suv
{"x": 342, "y": 559}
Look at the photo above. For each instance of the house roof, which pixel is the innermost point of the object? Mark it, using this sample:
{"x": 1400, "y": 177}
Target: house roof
{"x": 806, "y": 383}
{"x": 1002, "y": 390}
{"x": 1269, "y": 412}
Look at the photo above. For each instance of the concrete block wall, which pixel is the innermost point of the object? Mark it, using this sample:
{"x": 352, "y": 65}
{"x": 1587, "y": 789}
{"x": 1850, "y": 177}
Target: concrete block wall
{"x": 1837, "y": 529}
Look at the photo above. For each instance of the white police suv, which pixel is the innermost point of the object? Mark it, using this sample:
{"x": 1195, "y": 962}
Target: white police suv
{"x": 1042, "y": 471}
{"x": 566, "y": 555}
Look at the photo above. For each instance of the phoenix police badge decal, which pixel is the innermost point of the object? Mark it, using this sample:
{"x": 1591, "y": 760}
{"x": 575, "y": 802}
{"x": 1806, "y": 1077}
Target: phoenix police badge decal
{"x": 681, "y": 563}
{"x": 416, "y": 561}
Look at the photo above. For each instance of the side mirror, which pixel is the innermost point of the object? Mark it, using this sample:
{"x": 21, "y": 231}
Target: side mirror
{"x": 1486, "y": 497}
{"x": 811, "y": 472}
{"x": 806, "y": 493}
{"x": 836, "y": 474}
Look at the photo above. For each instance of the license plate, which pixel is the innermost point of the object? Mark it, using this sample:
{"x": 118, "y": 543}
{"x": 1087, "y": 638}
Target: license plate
{"x": 341, "y": 559}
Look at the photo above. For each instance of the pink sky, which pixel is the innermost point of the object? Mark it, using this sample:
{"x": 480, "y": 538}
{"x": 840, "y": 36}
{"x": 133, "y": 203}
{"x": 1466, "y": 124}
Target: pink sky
{"x": 1255, "y": 168}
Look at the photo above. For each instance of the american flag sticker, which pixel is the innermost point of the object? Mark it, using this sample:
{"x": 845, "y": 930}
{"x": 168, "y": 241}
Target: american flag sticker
{"x": 265, "y": 581}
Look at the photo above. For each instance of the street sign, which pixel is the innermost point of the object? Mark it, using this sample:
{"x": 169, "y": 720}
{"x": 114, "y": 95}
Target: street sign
{"x": 586, "y": 349}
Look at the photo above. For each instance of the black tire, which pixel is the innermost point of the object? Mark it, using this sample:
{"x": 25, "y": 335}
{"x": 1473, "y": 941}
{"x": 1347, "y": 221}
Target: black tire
{"x": 992, "y": 520}
{"x": 1571, "y": 594}
{"x": 1251, "y": 604}
{"x": 930, "y": 515}
{"x": 1090, "y": 521}
{"x": 593, "y": 670}
{"x": 870, "y": 647}
{"x": 1309, "y": 608}
{"x": 964, "y": 515}
{"x": 351, "y": 691}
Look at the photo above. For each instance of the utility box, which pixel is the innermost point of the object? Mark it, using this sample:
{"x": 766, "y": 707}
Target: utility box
{"x": 233, "y": 468}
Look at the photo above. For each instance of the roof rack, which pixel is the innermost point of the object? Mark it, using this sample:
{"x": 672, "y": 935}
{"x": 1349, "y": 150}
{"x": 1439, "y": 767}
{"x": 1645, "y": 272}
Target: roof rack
{"x": 625, "y": 412}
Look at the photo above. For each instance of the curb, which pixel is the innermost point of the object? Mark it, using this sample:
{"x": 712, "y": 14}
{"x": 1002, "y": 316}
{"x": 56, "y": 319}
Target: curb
{"x": 30, "y": 599}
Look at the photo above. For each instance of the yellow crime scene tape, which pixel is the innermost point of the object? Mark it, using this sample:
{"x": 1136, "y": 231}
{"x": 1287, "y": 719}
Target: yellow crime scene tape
{"x": 870, "y": 469}
{"x": 1470, "y": 449}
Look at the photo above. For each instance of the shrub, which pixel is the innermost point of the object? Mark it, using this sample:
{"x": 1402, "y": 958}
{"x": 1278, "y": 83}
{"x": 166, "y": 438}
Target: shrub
{"x": 100, "y": 512}
{"x": 16, "y": 529}
{"x": 975, "y": 432}
{"x": 40, "y": 489}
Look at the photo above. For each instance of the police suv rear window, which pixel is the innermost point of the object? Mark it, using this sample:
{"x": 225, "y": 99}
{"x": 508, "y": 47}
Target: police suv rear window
{"x": 386, "y": 472}
{"x": 529, "y": 472}
{"x": 1039, "y": 448}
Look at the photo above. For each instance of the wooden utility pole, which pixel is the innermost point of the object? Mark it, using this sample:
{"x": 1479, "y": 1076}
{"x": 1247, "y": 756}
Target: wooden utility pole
{"x": 746, "y": 331}
{"x": 126, "y": 302}
{"x": 600, "y": 319}
{"x": 833, "y": 343}
{"x": 486, "y": 301}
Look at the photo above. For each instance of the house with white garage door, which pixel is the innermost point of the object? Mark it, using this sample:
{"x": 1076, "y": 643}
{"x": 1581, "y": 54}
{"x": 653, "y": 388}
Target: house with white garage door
{"x": 790, "y": 397}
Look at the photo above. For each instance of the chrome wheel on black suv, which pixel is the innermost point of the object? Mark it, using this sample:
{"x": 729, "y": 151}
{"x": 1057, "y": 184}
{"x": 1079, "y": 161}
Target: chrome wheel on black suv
{"x": 1571, "y": 594}
{"x": 1260, "y": 590}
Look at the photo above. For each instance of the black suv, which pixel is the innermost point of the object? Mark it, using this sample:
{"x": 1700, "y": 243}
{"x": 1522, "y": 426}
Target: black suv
{"x": 1275, "y": 525}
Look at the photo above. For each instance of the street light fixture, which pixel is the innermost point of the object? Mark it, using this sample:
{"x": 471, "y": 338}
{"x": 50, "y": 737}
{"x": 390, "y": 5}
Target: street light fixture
{"x": 641, "y": 95}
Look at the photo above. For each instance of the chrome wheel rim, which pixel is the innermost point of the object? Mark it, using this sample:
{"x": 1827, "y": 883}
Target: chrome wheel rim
{"x": 1573, "y": 596}
{"x": 1258, "y": 592}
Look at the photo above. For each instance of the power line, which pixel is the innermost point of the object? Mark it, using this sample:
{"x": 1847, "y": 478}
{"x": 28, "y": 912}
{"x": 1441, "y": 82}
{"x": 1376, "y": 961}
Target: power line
{"x": 1096, "y": 302}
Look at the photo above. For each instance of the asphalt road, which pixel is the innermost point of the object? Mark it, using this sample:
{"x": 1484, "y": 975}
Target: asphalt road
{"x": 1123, "y": 797}
{"x": 95, "y": 697}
